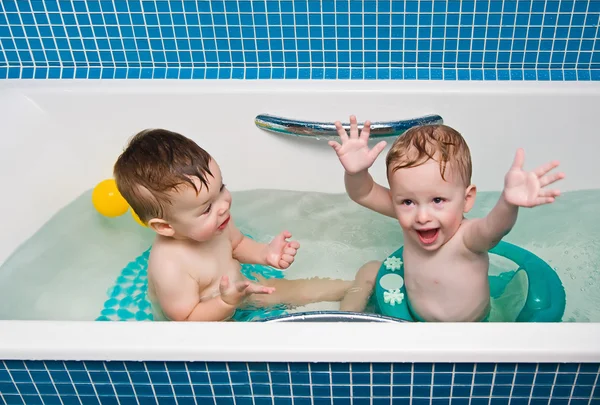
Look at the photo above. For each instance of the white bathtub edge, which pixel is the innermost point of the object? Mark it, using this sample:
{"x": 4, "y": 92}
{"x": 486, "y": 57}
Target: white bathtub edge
{"x": 300, "y": 342}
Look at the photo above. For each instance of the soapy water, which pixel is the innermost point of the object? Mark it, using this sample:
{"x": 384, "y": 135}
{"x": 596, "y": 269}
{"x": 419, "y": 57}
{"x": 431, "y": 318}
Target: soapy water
{"x": 63, "y": 272}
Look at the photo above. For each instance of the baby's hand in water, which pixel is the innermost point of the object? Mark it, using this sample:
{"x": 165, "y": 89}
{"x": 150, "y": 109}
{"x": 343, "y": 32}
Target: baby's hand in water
{"x": 354, "y": 153}
{"x": 281, "y": 252}
{"x": 526, "y": 189}
{"x": 235, "y": 294}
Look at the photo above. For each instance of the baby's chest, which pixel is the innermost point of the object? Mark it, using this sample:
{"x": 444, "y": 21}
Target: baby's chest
{"x": 438, "y": 269}
{"x": 419, "y": 272}
{"x": 211, "y": 267}
{"x": 444, "y": 269}
{"x": 208, "y": 262}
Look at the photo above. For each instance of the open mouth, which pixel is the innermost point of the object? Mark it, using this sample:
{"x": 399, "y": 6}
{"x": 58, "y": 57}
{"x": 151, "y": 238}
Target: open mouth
{"x": 224, "y": 224}
{"x": 428, "y": 236}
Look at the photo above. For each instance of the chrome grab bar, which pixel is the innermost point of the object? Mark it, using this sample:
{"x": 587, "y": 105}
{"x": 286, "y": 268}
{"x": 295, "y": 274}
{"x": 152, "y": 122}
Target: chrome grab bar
{"x": 327, "y": 131}
{"x": 332, "y": 316}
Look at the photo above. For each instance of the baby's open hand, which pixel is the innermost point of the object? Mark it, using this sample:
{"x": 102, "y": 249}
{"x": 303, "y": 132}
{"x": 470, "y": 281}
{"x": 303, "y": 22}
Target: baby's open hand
{"x": 526, "y": 189}
{"x": 235, "y": 294}
{"x": 281, "y": 252}
{"x": 354, "y": 153}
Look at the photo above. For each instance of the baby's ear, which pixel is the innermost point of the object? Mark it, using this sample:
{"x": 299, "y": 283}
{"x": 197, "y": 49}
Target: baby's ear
{"x": 470, "y": 194}
{"x": 161, "y": 227}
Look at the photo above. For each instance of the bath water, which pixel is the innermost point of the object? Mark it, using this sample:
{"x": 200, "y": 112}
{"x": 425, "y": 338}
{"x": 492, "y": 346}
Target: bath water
{"x": 63, "y": 272}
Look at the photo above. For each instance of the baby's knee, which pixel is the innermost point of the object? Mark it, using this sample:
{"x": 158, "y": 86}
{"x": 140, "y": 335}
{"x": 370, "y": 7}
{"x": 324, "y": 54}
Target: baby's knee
{"x": 368, "y": 272}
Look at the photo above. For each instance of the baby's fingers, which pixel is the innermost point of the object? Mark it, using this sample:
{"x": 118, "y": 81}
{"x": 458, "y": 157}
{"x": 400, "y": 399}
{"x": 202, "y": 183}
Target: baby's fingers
{"x": 377, "y": 149}
{"x": 542, "y": 170}
{"x": 242, "y": 285}
{"x": 353, "y": 127}
{"x": 545, "y": 197}
{"x": 519, "y": 159}
{"x": 543, "y": 200}
{"x": 341, "y": 131}
{"x": 259, "y": 289}
{"x": 336, "y": 146}
{"x": 286, "y": 259}
{"x": 290, "y": 251}
{"x": 366, "y": 131}
{"x": 551, "y": 178}
{"x": 549, "y": 193}
{"x": 224, "y": 283}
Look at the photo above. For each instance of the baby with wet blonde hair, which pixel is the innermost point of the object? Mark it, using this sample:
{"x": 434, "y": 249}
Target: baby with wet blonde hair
{"x": 445, "y": 255}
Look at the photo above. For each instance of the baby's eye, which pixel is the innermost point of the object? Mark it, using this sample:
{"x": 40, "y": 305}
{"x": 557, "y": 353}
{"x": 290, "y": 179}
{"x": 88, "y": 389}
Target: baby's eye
{"x": 438, "y": 200}
{"x": 407, "y": 202}
{"x": 207, "y": 210}
{"x": 222, "y": 187}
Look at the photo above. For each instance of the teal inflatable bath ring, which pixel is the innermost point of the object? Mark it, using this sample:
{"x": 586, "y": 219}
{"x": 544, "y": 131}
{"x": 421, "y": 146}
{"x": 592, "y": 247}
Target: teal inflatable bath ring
{"x": 530, "y": 292}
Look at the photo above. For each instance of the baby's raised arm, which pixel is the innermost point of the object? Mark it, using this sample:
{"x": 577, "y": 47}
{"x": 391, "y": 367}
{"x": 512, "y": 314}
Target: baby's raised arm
{"x": 355, "y": 156}
{"x": 521, "y": 189}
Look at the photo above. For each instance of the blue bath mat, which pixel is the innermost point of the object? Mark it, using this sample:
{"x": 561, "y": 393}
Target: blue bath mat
{"x": 128, "y": 297}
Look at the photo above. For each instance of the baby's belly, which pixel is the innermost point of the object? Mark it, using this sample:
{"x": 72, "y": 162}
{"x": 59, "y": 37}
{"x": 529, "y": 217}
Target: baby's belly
{"x": 449, "y": 299}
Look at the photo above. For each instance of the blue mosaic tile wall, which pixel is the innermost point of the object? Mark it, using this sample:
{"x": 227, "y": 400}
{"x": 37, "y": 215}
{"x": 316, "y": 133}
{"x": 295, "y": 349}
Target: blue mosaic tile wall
{"x": 329, "y": 39}
{"x": 123, "y": 383}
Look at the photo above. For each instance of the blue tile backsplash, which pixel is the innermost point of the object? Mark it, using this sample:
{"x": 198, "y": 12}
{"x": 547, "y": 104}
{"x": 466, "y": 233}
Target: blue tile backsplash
{"x": 199, "y": 383}
{"x": 301, "y": 39}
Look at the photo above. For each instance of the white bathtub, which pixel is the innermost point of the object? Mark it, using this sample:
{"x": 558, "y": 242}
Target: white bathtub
{"x": 59, "y": 138}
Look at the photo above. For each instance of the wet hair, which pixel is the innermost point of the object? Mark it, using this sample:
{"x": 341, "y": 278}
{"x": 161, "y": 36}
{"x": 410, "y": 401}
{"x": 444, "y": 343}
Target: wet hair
{"x": 154, "y": 163}
{"x": 438, "y": 142}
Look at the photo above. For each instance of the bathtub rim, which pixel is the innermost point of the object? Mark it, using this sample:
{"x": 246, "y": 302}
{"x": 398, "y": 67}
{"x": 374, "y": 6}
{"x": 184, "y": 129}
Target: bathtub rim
{"x": 300, "y": 342}
{"x": 77, "y": 340}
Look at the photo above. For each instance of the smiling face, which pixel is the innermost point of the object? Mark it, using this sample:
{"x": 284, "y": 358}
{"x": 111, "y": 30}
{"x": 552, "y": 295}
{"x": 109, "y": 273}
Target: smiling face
{"x": 429, "y": 172}
{"x": 429, "y": 208}
{"x": 198, "y": 216}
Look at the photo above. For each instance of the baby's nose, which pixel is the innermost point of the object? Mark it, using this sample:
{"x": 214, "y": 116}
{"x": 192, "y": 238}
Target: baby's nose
{"x": 423, "y": 216}
{"x": 224, "y": 206}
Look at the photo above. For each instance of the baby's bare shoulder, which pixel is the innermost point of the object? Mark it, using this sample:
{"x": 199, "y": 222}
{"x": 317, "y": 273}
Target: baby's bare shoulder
{"x": 162, "y": 270}
{"x": 456, "y": 246}
{"x": 169, "y": 261}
